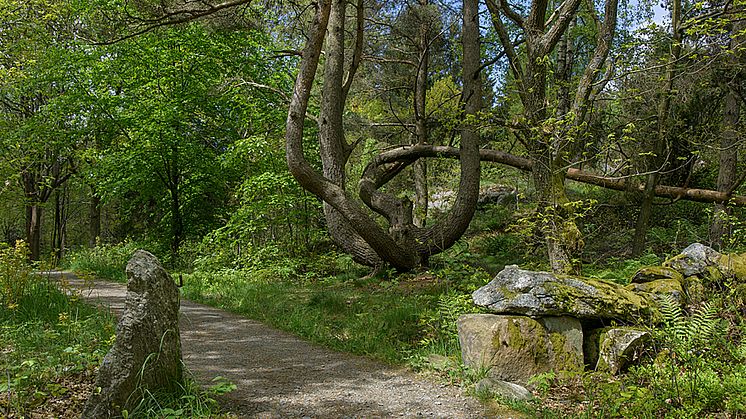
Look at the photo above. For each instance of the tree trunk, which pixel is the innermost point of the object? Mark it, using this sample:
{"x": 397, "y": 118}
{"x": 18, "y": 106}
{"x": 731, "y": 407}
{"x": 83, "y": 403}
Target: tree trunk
{"x": 720, "y": 229}
{"x": 33, "y": 229}
{"x": 419, "y": 214}
{"x": 332, "y": 142}
{"x": 656, "y": 161}
{"x": 94, "y": 219}
{"x": 721, "y": 225}
{"x": 60, "y": 223}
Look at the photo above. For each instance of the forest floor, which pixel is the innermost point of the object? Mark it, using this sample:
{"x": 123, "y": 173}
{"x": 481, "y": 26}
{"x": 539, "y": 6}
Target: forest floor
{"x": 278, "y": 375}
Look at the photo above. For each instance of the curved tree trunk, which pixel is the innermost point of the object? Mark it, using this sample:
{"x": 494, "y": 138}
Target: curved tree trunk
{"x": 403, "y": 246}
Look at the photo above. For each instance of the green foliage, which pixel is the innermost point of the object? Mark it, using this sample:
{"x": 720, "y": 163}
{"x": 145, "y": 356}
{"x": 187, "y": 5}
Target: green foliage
{"x": 105, "y": 261}
{"x": 619, "y": 270}
{"x": 15, "y": 274}
{"x": 273, "y": 218}
{"x": 439, "y": 323}
{"x": 49, "y": 342}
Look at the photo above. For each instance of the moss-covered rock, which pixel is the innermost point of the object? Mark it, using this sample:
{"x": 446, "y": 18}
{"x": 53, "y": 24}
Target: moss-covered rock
{"x": 733, "y": 265}
{"x": 654, "y": 273}
{"x": 695, "y": 290}
{"x": 619, "y": 347}
{"x": 660, "y": 287}
{"x": 566, "y": 337}
{"x": 515, "y": 348}
{"x": 693, "y": 260}
{"x": 541, "y": 294}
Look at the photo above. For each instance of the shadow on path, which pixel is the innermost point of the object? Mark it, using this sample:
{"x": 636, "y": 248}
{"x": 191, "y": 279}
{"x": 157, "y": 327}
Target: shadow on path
{"x": 278, "y": 375}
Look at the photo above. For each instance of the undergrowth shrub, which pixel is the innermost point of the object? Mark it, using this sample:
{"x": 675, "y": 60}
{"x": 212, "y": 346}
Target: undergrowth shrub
{"x": 189, "y": 401}
{"x": 105, "y": 261}
{"x": 15, "y": 273}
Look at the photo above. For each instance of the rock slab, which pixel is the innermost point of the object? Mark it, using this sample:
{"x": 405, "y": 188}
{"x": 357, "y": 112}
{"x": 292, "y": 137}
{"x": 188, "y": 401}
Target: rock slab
{"x": 147, "y": 351}
{"x": 541, "y": 294}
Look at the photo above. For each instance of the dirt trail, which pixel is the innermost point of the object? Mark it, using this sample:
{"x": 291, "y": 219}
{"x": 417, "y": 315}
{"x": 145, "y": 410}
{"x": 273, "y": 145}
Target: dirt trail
{"x": 281, "y": 376}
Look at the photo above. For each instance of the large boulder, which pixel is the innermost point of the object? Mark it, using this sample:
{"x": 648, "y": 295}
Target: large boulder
{"x": 694, "y": 260}
{"x": 515, "y": 348}
{"x": 147, "y": 351}
{"x": 540, "y": 294}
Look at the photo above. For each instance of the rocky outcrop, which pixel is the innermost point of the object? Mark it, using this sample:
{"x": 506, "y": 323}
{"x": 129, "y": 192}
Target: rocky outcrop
{"x": 515, "y": 348}
{"x": 538, "y": 294}
{"x": 147, "y": 352}
{"x": 536, "y": 325}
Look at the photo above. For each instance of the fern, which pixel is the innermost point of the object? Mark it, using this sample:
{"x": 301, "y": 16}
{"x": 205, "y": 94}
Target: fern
{"x": 702, "y": 324}
{"x": 687, "y": 333}
{"x": 673, "y": 318}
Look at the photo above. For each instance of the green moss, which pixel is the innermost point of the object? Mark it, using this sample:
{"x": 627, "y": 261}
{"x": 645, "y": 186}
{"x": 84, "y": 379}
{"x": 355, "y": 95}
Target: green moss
{"x": 734, "y": 264}
{"x": 610, "y": 300}
{"x": 525, "y": 334}
{"x": 652, "y": 273}
{"x": 659, "y": 287}
{"x": 714, "y": 274}
{"x": 515, "y": 335}
{"x": 564, "y": 358}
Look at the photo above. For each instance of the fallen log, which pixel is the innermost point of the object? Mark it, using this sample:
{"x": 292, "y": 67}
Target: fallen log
{"x": 409, "y": 153}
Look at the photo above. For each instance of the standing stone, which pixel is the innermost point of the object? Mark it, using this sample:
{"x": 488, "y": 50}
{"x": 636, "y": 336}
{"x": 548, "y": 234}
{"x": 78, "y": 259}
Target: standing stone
{"x": 514, "y": 348}
{"x": 147, "y": 351}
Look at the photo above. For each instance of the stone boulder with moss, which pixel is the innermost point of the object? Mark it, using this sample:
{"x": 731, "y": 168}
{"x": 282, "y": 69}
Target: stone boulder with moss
{"x": 698, "y": 260}
{"x": 655, "y": 290}
{"x": 541, "y": 294}
{"x": 694, "y": 260}
{"x": 515, "y": 348}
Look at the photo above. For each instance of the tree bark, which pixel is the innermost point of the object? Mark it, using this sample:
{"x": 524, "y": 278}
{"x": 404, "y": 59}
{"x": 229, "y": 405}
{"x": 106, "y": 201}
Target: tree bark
{"x": 721, "y": 226}
{"x": 34, "y": 213}
{"x": 94, "y": 219}
{"x": 656, "y": 160}
{"x": 419, "y": 214}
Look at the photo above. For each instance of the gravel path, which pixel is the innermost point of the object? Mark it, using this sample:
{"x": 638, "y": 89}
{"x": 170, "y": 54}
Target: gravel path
{"x": 281, "y": 376}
